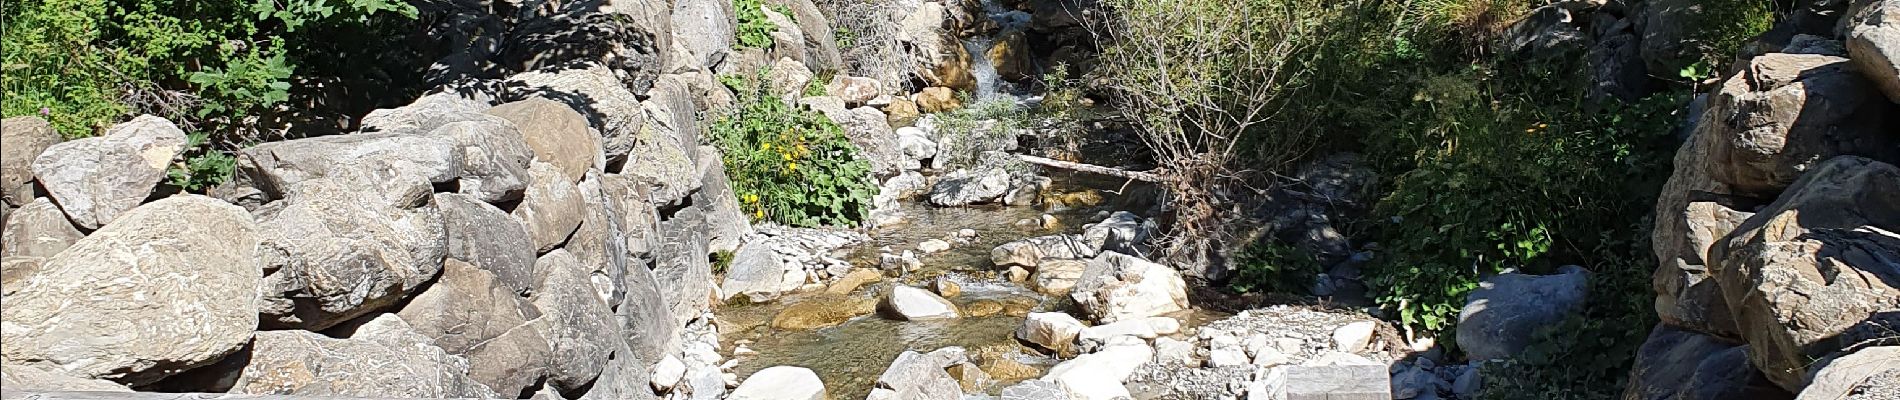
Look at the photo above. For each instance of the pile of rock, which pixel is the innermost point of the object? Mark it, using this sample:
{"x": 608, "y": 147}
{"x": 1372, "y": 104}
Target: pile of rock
{"x": 1055, "y": 263}
{"x": 1253, "y": 353}
{"x": 778, "y": 260}
{"x": 1775, "y": 234}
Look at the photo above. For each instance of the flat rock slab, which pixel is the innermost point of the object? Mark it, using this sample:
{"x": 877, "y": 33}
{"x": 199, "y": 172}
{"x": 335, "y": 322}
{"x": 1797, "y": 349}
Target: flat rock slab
{"x": 1339, "y": 382}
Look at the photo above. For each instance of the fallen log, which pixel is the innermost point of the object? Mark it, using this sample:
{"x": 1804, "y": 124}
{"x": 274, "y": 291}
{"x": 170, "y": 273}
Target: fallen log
{"x": 1093, "y": 169}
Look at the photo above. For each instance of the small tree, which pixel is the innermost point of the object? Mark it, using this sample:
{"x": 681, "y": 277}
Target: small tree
{"x": 1205, "y": 83}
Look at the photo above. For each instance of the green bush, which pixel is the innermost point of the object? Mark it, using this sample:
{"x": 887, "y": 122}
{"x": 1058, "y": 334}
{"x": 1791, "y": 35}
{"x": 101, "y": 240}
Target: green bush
{"x": 791, "y": 165}
{"x": 964, "y": 132}
{"x": 1274, "y": 267}
{"x": 755, "y": 31}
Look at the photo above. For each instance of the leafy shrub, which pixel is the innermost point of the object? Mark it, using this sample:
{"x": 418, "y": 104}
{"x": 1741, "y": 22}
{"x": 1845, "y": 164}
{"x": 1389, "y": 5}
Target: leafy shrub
{"x": 202, "y": 167}
{"x": 755, "y": 30}
{"x": 89, "y": 63}
{"x": 1274, "y": 267}
{"x": 965, "y": 132}
{"x": 791, "y": 165}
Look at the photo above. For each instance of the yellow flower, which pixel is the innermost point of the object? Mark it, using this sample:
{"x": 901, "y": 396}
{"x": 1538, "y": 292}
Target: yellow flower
{"x": 760, "y": 214}
{"x": 765, "y": 146}
{"x": 786, "y": 156}
{"x": 801, "y": 149}
{"x": 793, "y": 166}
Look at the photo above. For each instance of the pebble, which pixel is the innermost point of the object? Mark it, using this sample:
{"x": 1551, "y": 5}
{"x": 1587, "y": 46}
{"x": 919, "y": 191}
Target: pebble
{"x": 933, "y": 246}
{"x": 966, "y": 233}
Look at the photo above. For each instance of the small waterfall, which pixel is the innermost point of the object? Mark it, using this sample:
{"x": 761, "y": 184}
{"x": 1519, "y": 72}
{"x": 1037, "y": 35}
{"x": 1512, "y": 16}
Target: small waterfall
{"x": 981, "y": 69}
{"x": 988, "y": 86}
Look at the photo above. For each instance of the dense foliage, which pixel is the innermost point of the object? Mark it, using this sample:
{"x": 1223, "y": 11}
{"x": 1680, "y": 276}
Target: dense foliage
{"x": 212, "y": 66}
{"x": 755, "y": 30}
{"x": 791, "y": 165}
{"x": 1488, "y": 161}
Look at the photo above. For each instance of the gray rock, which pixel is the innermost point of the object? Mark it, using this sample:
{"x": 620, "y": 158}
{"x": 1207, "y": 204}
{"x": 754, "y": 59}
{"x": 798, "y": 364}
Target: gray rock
{"x": 580, "y": 329}
{"x": 1810, "y": 44}
{"x": 348, "y": 244}
{"x": 1678, "y": 364}
{"x": 1873, "y": 38}
{"x": 1501, "y": 317}
{"x": 965, "y": 187}
{"x": 1865, "y": 372}
{"x": 921, "y": 376}
{"x": 856, "y": 91}
{"x": 1813, "y": 265}
{"x": 1117, "y": 286}
{"x": 1353, "y": 337}
{"x": 552, "y": 208}
{"x": 385, "y": 358}
{"x": 625, "y": 376}
{"x": 682, "y": 265}
{"x": 910, "y": 304}
{"x": 488, "y": 238}
{"x": 97, "y": 178}
{"x": 599, "y": 94}
{"x": 1035, "y": 251}
{"x": 1171, "y": 352}
{"x": 22, "y": 139}
{"x": 494, "y": 158}
{"x": 470, "y": 313}
{"x": 760, "y": 275}
{"x": 820, "y": 44}
{"x": 706, "y": 28}
{"x": 276, "y": 167}
{"x": 781, "y": 383}
{"x": 26, "y": 377}
{"x": 1122, "y": 232}
{"x": 1616, "y": 67}
{"x": 37, "y": 230}
{"x": 869, "y": 130}
{"x": 137, "y": 328}
{"x": 672, "y": 114}
{"x": 1034, "y": 390}
{"x": 788, "y": 78}
{"x": 726, "y": 222}
{"x": 558, "y": 134}
{"x": 1099, "y": 375}
{"x": 425, "y": 114}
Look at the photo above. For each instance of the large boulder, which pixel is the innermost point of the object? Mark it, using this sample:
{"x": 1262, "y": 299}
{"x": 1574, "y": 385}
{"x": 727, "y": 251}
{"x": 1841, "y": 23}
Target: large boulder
{"x": 488, "y": 238}
{"x": 1693, "y": 211}
{"x": 1058, "y": 277}
{"x": 37, "y": 230}
{"x": 620, "y": 116}
{"x": 1502, "y": 316}
{"x": 781, "y": 383}
{"x": 1786, "y": 112}
{"x": 22, "y": 139}
{"x": 1122, "y": 232}
{"x": 1866, "y": 374}
{"x": 347, "y": 244}
{"x": 705, "y": 28}
{"x": 934, "y": 52}
{"x": 384, "y": 358}
{"x": 494, "y": 158}
{"x": 1032, "y": 252}
{"x": 26, "y": 377}
{"x": 552, "y": 209}
{"x": 626, "y": 376}
{"x": 276, "y": 167}
{"x": 166, "y": 287}
{"x": 911, "y": 304}
{"x": 1679, "y": 364}
{"x": 1053, "y": 331}
{"x": 470, "y": 313}
{"x": 1099, "y": 375}
{"x": 645, "y": 313}
{"x": 1118, "y": 286}
{"x": 868, "y": 129}
{"x": 578, "y": 325}
{"x": 682, "y": 267}
{"x": 1873, "y": 41}
{"x": 425, "y": 114}
{"x": 727, "y": 223}
{"x": 820, "y": 42}
{"x": 758, "y": 273}
{"x": 97, "y": 178}
{"x": 922, "y": 376}
{"x": 558, "y": 135}
{"x": 966, "y": 187}
{"x": 1813, "y": 264}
